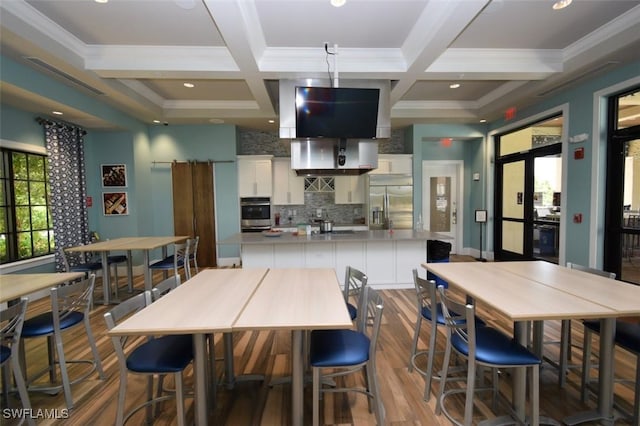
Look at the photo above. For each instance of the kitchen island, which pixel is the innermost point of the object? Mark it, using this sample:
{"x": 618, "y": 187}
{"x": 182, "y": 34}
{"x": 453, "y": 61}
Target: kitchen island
{"x": 386, "y": 257}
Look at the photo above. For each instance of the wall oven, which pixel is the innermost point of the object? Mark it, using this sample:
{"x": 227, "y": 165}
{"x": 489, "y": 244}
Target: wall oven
{"x": 255, "y": 214}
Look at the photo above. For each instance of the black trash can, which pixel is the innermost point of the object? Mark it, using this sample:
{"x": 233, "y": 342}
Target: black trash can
{"x": 437, "y": 252}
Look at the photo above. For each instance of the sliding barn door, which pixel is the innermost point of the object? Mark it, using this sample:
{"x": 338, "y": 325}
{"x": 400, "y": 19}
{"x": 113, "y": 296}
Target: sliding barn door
{"x": 193, "y": 207}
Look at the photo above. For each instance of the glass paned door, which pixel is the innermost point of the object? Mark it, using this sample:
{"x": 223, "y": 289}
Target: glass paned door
{"x": 630, "y": 240}
{"x": 513, "y": 199}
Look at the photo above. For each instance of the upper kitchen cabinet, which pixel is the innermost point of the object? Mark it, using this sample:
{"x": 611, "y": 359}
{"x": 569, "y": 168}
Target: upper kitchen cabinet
{"x": 349, "y": 189}
{"x": 254, "y": 175}
{"x": 397, "y": 164}
{"x": 288, "y": 188}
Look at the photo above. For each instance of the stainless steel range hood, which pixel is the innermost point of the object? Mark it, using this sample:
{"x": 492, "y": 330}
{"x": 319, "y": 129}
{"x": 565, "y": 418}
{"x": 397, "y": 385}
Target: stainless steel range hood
{"x": 332, "y": 157}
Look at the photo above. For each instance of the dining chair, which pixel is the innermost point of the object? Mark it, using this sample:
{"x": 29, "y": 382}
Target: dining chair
{"x": 627, "y": 337}
{"x": 354, "y": 282}
{"x": 165, "y": 287}
{"x": 565, "y": 328}
{"x": 485, "y": 347}
{"x": 193, "y": 253}
{"x": 112, "y": 260}
{"x": 70, "y": 307}
{"x": 179, "y": 259}
{"x": 11, "y": 322}
{"x": 166, "y": 355}
{"x": 347, "y": 351}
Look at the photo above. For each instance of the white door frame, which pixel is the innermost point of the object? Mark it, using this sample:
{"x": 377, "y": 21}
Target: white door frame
{"x": 459, "y": 199}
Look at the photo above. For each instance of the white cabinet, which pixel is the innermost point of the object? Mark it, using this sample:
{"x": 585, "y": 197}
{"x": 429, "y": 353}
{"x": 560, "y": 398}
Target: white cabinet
{"x": 254, "y": 175}
{"x": 288, "y": 188}
{"x": 349, "y": 189}
{"x": 394, "y": 164}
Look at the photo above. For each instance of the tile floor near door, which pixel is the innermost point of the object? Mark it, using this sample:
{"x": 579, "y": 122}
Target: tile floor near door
{"x": 268, "y": 353}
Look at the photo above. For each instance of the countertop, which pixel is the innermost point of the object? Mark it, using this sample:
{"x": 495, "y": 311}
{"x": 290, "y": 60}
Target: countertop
{"x": 258, "y": 238}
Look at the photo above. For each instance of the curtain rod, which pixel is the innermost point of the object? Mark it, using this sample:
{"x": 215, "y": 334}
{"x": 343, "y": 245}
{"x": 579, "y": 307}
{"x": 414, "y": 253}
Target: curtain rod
{"x": 192, "y": 161}
{"x": 60, "y": 123}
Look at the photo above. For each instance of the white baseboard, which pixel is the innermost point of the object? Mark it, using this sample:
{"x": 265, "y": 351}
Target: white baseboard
{"x": 229, "y": 261}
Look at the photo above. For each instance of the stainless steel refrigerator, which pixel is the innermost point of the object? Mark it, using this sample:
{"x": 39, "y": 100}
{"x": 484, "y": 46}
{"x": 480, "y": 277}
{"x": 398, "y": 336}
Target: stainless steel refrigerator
{"x": 390, "y": 201}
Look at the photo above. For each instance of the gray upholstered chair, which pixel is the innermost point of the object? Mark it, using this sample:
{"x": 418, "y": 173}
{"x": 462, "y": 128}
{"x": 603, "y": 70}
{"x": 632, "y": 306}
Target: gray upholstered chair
{"x": 176, "y": 261}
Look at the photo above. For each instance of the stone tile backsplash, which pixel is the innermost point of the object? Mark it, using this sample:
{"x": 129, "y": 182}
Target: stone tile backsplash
{"x": 339, "y": 213}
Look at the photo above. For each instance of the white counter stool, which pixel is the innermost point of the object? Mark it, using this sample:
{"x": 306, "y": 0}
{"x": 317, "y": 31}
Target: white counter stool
{"x": 11, "y": 321}
{"x": 70, "y": 307}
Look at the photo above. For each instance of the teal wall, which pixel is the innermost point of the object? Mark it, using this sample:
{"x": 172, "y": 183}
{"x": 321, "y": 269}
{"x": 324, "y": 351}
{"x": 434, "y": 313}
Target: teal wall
{"x": 467, "y": 146}
{"x": 579, "y": 191}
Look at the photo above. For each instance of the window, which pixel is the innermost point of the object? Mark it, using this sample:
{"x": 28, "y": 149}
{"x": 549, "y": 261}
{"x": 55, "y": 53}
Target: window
{"x": 26, "y": 227}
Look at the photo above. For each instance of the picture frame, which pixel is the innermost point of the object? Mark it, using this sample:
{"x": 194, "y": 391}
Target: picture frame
{"x": 481, "y": 216}
{"x": 113, "y": 175}
{"x": 115, "y": 203}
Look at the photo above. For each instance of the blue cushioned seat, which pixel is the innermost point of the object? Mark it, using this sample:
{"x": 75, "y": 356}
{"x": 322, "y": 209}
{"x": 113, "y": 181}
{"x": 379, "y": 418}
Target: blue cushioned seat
{"x": 166, "y": 354}
{"x": 158, "y": 356}
{"x": 5, "y": 353}
{"x": 338, "y": 348}
{"x": 349, "y": 351}
{"x": 494, "y": 347}
{"x": 627, "y": 334}
{"x": 481, "y": 346}
{"x": 70, "y": 305}
{"x": 42, "y": 324}
{"x": 353, "y": 311}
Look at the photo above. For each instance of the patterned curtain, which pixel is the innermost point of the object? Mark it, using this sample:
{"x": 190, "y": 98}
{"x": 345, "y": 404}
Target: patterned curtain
{"x": 68, "y": 188}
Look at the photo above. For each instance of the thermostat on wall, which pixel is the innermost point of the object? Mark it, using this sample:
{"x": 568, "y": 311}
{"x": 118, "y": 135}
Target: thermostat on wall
{"x": 579, "y": 138}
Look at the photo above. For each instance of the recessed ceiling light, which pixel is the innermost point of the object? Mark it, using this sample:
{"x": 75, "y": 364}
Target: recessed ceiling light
{"x": 483, "y": 121}
{"x": 561, "y": 4}
{"x": 156, "y": 121}
{"x": 101, "y": 1}
{"x": 272, "y": 121}
{"x": 454, "y": 85}
{"x": 56, "y": 112}
{"x": 216, "y": 121}
{"x": 189, "y": 85}
{"x": 338, "y": 3}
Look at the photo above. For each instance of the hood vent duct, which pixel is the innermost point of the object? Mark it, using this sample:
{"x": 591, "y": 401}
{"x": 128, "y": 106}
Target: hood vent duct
{"x": 333, "y": 157}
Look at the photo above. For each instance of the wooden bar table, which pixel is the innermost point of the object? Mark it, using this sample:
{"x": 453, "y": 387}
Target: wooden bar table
{"x": 297, "y": 300}
{"x": 209, "y": 302}
{"x": 146, "y": 244}
{"x": 621, "y": 297}
{"x": 14, "y": 286}
{"x": 521, "y": 299}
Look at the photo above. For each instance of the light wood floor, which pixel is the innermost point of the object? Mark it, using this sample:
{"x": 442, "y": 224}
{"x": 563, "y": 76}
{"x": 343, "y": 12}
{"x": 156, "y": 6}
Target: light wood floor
{"x": 267, "y": 353}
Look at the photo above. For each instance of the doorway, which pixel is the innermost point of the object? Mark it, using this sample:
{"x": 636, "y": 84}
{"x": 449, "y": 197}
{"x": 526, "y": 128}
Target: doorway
{"x": 193, "y": 207}
{"x": 528, "y": 183}
{"x": 441, "y": 202}
{"x": 622, "y": 211}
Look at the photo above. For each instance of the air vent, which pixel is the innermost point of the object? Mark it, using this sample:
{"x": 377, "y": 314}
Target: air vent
{"x": 68, "y": 78}
{"x": 589, "y": 73}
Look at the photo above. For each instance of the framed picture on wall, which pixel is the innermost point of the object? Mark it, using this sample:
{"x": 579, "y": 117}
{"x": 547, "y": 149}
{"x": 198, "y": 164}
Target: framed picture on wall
{"x": 115, "y": 203}
{"x": 114, "y": 175}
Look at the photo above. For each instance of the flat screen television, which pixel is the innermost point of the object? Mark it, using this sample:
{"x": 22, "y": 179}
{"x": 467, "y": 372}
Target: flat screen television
{"x": 340, "y": 112}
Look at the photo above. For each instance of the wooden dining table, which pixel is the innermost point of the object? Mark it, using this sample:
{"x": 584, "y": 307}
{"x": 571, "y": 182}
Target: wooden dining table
{"x": 621, "y": 297}
{"x": 128, "y": 244}
{"x": 228, "y": 300}
{"x": 14, "y": 286}
{"x": 532, "y": 291}
{"x": 296, "y": 299}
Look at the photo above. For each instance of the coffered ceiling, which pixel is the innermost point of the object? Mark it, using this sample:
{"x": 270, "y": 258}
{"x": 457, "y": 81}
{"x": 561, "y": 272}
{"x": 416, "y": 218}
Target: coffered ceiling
{"x": 136, "y": 54}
